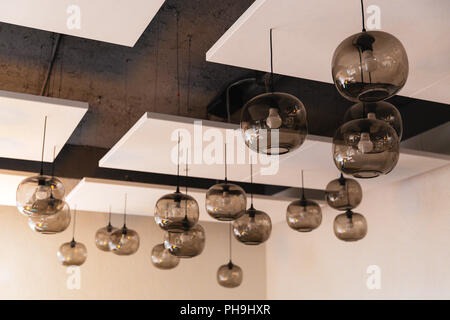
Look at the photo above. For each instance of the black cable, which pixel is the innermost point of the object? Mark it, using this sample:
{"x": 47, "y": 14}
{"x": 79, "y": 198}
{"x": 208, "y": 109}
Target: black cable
{"x": 187, "y": 170}
{"x": 74, "y": 223}
{"x": 225, "y": 151}
{"x": 53, "y": 163}
{"x": 251, "y": 183}
{"x": 362, "y": 16}
{"x": 50, "y": 66}
{"x": 188, "y": 95}
{"x": 303, "y": 187}
{"x": 230, "y": 240}
{"x": 271, "y": 62}
{"x": 125, "y": 212}
{"x": 178, "y": 163}
{"x": 43, "y": 146}
{"x": 178, "y": 63}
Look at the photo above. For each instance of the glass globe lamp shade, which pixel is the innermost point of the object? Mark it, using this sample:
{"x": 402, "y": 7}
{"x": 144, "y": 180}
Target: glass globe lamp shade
{"x": 124, "y": 242}
{"x": 369, "y": 66}
{"x": 274, "y": 123}
{"x": 103, "y": 237}
{"x": 303, "y": 215}
{"x": 163, "y": 259}
{"x": 186, "y": 244}
{"x": 381, "y": 110}
{"x": 343, "y": 194}
{"x": 350, "y": 226}
{"x": 253, "y": 228}
{"x": 225, "y": 201}
{"x": 72, "y": 253}
{"x": 365, "y": 148}
{"x": 55, "y": 223}
{"x": 40, "y": 195}
{"x": 229, "y": 275}
{"x": 176, "y": 212}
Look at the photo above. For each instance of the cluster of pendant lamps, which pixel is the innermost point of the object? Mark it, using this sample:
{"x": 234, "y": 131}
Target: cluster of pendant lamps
{"x": 367, "y": 68}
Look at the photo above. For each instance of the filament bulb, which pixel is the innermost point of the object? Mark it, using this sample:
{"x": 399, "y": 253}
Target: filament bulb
{"x": 274, "y": 120}
{"x": 369, "y": 62}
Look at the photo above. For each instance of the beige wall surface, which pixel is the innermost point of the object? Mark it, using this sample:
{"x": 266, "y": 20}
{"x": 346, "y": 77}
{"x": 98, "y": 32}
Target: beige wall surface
{"x": 408, "y": 239}
{"x": 29, "y": 268}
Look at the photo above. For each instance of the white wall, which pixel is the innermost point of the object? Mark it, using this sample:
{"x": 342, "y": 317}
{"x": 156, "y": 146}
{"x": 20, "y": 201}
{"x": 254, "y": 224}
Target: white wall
{"x": 408, "y": 238}
{"x": 29, "y": 267}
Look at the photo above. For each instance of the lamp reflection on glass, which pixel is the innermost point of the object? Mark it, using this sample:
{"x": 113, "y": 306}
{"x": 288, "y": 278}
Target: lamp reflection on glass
{"x": 124, "y": 241}
{"x": 229, "y": 275}
{"x": 103, "y": 235}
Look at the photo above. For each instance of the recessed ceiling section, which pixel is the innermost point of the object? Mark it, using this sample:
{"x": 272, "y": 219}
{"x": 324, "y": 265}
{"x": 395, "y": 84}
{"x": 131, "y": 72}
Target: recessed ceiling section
{"x": 22, "y": 124}
{"x": 100, "y": 194}
{"x": 120, "y": 21}
{"x": 306, "y": 34}
{"x": 151, "y": 146}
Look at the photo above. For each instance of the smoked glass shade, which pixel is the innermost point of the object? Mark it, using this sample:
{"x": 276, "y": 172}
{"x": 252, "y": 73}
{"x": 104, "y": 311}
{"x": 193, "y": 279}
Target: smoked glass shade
{"x": 103, "y": 237}
{"x": 274, "y": 123}
{"x": 40, "y": 195}
{"x": 343, "y": 194}
{"x": 176, "y": 212}
{"x": 185, "y": 244}
{"x": 229, "y": 275}
{"x": 124, "y": 242}
{"x": 350, "y": 226}
{"x": 381, "y": 110}
{"x": 55, "y": 223}
{"x": 226, "y": 201}
{"x": 163, "y": 259}
{"x": 369, "y": 66}
{"x": 252, "y": 228}
{"x": 365, "y": 148}
{"x": 303, "y": 215}
{"x": 72, "y": 254}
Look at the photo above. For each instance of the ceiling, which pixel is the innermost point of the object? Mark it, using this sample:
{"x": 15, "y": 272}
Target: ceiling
{"x": 120, "y": 21}
{"x": 151, "y": 146}
{"x": 22, "y": 124}
{"x": 306, "y": 34}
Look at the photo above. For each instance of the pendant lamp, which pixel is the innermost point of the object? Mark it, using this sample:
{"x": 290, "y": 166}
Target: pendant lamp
{"x": 303, "y": 215}
{"x": 255, "y": 226}
{"x": 274, "y": 123}
{"x": 229, "y": 275}
{"x": 124, "y": 241}
{"x": 40, "y": 195}
{"x": 176, "y": 211}
{"x": 163, "y": 259}
{"x": 380, "y": 110}
{"x": 72, "y": 253}
{"x": 369, "y": 66}
{"x": 365, "y": 148}
{"x": 226, "y": 201}
{"x": 188, "y": 243}
{"x": 343, "y": 193}
{"x": 103, "y": 235}
{"x": 350, "y": 226}
{"x": 51, "y": 224}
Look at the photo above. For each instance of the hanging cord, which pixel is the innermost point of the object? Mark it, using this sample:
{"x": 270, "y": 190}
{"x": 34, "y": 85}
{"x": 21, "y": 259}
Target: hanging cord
{"x": 230, "y": 263}
{"x": 73, "y": 242}
{"x": 178, "y": 62}
{"x": 124, "y": 228}
{"x": 187, "y": 169}
{"x": 271, "y": 62}
{"x": 178, "y": 163}
{"x": 225, "y": 160}
{"x": 303, "y": 188}
{"x": 51, "y": 63}
{"x": 155, "y": 98}
{"x": 188, "y": 96}
{"x": 251, "y": 184}
{"x": 362, "y": 16}
{"x": 109, "y": 226}
{"x": 43, "y": 146}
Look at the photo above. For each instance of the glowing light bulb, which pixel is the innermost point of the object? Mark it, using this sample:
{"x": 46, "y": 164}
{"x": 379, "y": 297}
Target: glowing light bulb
{"x": 274, "y": 120}
{"x": 42, "y": 192}
{"x": 364, "y": 144}
{"x": 369, "y": 62}
{"x": 226, "y": 199}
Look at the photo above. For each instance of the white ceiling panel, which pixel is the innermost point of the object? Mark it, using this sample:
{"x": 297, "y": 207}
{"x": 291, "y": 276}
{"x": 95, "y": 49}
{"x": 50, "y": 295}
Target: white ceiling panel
{"x": 22, "y": 124}
{"x": 9, "y": 181}
{"x": 99, "y": 194}
{"x": 119, "y": 21}
{"x": 306, "y": 34}
{"x": 151, "y": 146}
